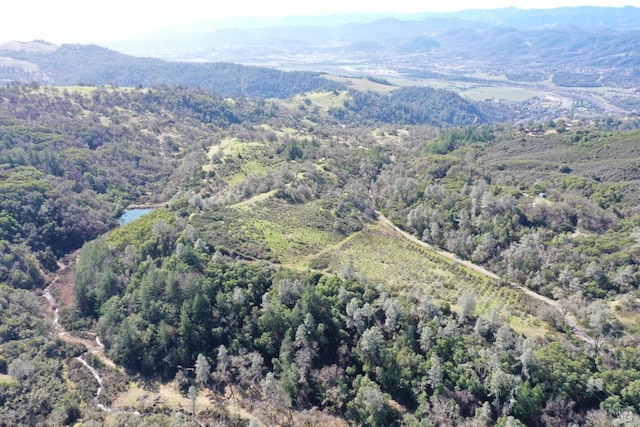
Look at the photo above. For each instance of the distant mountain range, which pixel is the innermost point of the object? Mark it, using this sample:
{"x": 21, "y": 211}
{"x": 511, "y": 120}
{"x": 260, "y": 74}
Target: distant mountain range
{"x": 554, "y": 53}
{"x": 585, "y": 46}
{"x": 68, "y": 65}
{"x": 585, "y": 17}
{"x": 88, "y": 65}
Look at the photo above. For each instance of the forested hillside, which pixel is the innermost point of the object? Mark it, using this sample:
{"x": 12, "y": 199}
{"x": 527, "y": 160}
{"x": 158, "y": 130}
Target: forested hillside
{"x": 72, "y": 161}
{"x": 266, "y": 288}
{"x": 69, "y": 65}
{"x": 411, "y": 105}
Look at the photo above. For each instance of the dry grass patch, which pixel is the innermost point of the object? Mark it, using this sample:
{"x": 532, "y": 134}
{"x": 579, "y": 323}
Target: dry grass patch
{"x": 247, "y": 204}
{"x": 7, "y": 381}
{"x": 627, "y": 312}
{"x": 361, "y": 84}
{"x": 232, "y": 147}
{"x": 509, "y": 94}
{"x": 164, "y": 396}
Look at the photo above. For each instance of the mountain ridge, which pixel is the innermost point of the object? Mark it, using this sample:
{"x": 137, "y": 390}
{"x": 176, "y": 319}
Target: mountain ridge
{"x": 569, "y": 41}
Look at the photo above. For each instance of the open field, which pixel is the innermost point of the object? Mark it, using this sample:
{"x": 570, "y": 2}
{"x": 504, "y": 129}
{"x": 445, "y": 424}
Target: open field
{"x": 436, "y": 84}
{"x": 361, "y": 84}
{"x": 510, "y": 94}
{"x": 249, "y": 203}
{"x": 165, "y": 396}
{"x": 251, "y": 168}
{"x": 474, "y": 91}
{"x": 233, "y": 147}
{"x": 323, "y": 100}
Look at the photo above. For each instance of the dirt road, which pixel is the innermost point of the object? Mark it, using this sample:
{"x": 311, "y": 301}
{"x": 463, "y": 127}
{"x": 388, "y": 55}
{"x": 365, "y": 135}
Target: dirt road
{"x": 94, "y": 347}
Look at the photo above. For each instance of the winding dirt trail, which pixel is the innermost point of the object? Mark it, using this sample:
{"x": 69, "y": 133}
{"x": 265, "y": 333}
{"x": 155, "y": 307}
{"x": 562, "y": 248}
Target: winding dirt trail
{"x": 569, "y": 318}
{"x": 94, "y": 347}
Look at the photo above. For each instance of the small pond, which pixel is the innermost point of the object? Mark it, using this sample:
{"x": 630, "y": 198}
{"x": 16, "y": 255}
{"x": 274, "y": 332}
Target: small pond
{"x": 132, "y": 214}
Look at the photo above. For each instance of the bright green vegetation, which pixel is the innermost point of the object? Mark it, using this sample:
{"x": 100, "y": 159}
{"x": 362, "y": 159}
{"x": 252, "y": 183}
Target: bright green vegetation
{"x": 271, "y": 229}
{"x": 139, "y": 229}
{"x": 626, "y": 311}
{"x": 234, "y": 148}
{"x": 247, "y": 169}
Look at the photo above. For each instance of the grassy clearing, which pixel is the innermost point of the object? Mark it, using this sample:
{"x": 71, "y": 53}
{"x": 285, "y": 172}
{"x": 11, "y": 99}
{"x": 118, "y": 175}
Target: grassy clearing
{"x": 629, "y": 317}
{"x": 402, "y": 266}
{"x": 361, "y": 84}
{"x": 472, "y": 92}
{"x": 233, "y": 147}
{"x": 249, "y": 203}
{"x": 384, "y": 137}
{"x": 436, "y": 84}
{"x": 234, "y": 161}
{"x": 285, "y": 229}
{"x": 272, "y": 229}
{"x": 324, "y": 101}
{"x": 165, "y": 396}
{"x": 7, "y": 381}
{"x": 529, "y": 326}
{"x": 328, "y": 100}
{"x": 131, "y": 397}
{"x": 251, "y": 168}
{"x": 77, "y": 89}
{"x": 510, "y": 94}
{"x": 290, "y": 241}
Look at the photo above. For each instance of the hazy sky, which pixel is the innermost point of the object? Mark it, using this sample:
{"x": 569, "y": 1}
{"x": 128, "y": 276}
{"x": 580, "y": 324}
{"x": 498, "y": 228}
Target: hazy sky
{"x": 82, "y": 21}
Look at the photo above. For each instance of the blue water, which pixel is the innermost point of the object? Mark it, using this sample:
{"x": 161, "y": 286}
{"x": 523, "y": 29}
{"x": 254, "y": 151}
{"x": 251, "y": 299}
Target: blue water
{"x": 132, "y": 214}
